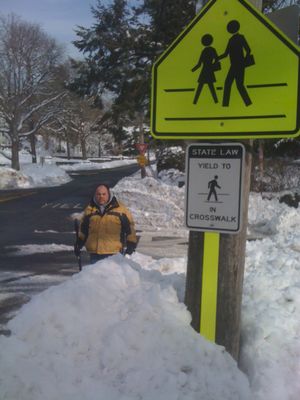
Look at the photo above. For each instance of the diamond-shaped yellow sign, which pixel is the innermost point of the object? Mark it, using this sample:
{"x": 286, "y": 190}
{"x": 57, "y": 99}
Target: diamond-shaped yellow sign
{"x": 230, "y": 74}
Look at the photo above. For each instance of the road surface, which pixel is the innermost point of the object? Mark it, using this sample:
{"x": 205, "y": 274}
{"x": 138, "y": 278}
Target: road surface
{"x": 42, "y": 216}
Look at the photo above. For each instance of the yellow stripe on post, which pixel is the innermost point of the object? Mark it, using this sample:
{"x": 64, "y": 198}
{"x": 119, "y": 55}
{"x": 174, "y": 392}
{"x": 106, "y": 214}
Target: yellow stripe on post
{"x": 208, "y": 317}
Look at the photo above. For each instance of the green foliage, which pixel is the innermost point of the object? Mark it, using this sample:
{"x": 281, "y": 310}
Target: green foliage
{"x": 170, "y": 157}
{"x": 120, "y": 47}
{"x": 167, "y": 18}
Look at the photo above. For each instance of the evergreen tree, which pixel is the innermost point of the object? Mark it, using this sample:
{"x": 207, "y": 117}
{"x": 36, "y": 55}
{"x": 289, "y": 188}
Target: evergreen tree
{"x": 107, "y": 50}
{"x": 121, "y": 46}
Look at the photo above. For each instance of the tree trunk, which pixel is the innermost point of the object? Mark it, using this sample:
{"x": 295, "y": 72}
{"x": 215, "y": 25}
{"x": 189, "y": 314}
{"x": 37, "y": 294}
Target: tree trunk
{"x": 83, "y": 149}
{"x": 261, "y": 162}
{"x": 142, "y": 140}
{"x": 231, "y": 275}
{"x": 46, "y": 138}
{"x": 68, "y": 148}
{"x": 15, "y": 163}
{"x": 99, "y": 148}
{"x": 32, "y": 140}
{"x": 193, "y": 286}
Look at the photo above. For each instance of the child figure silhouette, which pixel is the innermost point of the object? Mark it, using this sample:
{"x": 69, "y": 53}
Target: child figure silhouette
{"x": 209, "y": 62}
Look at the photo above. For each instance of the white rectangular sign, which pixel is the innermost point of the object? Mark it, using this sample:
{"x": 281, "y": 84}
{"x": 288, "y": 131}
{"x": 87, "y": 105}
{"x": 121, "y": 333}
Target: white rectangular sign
{"x": 214, "y": 187}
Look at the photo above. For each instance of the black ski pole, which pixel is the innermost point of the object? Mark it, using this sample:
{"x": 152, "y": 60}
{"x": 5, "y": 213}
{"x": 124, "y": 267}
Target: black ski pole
{"x": 76, "y": 225}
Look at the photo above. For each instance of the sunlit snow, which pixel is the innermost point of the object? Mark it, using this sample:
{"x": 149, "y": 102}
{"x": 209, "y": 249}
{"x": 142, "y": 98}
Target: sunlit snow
{"x": 119, "y": 329}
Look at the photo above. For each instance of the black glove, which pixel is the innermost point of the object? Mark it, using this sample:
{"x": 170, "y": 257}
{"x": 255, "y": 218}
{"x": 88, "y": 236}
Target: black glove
{"x": 78, "y": 246}
{"x": 130, "y": 248}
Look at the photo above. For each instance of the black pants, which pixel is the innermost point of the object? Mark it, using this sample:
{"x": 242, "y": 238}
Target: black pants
{"x": 97, "y": 257}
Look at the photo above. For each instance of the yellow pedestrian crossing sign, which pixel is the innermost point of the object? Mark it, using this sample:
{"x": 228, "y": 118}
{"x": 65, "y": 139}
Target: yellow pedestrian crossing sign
{"x": 230, "y": 74}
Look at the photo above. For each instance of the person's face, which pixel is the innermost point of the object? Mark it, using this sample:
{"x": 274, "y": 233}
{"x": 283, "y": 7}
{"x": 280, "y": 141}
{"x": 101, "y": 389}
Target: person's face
{"x": 102, "y": 195}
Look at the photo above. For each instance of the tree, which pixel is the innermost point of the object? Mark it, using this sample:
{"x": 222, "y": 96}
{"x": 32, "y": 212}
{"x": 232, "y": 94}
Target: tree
{"x": 120, "y": 48}
{"x": 79, "y": 120}
{"x": 106, "y": 46}
{"x": 268, "y": 5}
{"x": 28, "y": 61}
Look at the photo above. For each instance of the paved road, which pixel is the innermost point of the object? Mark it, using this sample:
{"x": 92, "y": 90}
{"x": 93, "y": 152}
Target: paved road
{"x": 42, "y": 216}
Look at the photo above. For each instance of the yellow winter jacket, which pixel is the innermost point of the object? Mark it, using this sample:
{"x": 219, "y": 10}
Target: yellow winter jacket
{"x": 110, "y": 231}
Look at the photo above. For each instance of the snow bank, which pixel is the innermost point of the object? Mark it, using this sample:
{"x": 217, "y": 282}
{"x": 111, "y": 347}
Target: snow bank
{"x": 153, "y": 203}
{"x": 32, "y": 175}
{"x": 270, "y": 351}
{"x": 45, "y": 175}
{"x": 11, "y": 179}
{"x": 270, "y": 324}
{"x": 109, "y": 333}
{"x": 172, "y": 177}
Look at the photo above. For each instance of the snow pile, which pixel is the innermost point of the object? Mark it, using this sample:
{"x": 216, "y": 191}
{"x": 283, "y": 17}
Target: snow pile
{"x": 107, "y": 333}
{"x": 11, "y": 179}
{"x": 271, "y": 302}
{"x": 32, "y": 175}
{"x": 118, "y": 331}
{"x": 45, "y": 175}
{"x": 153, "y": 203}
{"x": 172, "y": 177}
{"x": 48, "y": 174}
{"x": 270, "y": 328}
{"x": 165, "y": 271}
{"x": 268, "y": 216}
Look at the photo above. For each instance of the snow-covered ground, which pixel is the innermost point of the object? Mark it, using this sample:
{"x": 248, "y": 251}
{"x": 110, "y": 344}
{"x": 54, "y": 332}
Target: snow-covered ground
{"x": 119, "y": 329}
{"x": 47, "y": 173}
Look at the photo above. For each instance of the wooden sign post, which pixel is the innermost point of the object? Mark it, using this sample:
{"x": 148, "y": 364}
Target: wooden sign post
{"x": 217, "y": 81}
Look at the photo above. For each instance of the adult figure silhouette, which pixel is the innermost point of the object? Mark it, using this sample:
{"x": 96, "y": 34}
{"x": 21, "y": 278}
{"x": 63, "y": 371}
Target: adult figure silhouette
{"x": 212, "y": 188}
{"x": 237, "y": 50}
{"x": 209, "y": 62}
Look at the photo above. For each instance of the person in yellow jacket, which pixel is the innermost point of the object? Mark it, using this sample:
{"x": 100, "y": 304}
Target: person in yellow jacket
{"x": 106, "y": 228}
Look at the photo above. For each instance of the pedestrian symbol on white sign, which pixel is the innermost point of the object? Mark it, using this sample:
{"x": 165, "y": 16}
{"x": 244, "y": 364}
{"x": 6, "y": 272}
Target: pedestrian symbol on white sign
{"x": 212, "y": 185}
{"x": 217, "y": 207}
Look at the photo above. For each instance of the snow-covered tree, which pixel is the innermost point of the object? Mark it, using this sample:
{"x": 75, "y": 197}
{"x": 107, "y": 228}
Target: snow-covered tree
{"x": 28, "y": 97}
{"x": 79, "y": 120}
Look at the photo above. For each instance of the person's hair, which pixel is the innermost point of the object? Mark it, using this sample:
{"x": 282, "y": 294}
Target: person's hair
{"x": 105, "y": 185}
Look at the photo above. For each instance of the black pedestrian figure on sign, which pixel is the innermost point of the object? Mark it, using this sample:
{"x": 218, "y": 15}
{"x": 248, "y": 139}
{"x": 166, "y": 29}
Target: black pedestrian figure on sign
{"x": 209, "y": 62}
{"x": 239, "y": 53}
{"x": 212, "y": 188}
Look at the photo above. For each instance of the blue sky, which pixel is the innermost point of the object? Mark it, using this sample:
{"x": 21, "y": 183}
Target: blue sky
{"x": 57, "y": 17}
